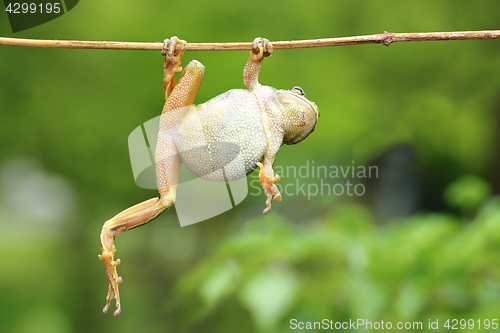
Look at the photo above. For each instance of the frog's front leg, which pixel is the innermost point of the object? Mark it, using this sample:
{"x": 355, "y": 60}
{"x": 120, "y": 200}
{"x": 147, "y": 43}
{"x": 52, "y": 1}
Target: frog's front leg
{"x": 167, "y": 162}
{"x": 173, "y": 50}
{"x": 261, "y": 49}
{"x": 267, "y": 180}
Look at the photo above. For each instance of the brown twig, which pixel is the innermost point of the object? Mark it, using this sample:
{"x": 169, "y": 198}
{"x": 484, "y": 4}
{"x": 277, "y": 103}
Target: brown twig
{"x": 383, "y": 38}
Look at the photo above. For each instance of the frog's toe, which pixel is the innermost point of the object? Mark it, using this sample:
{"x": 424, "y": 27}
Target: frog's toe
{"x": 264, "y": 44}
{"x": 273, "y": 194}
{"x": 268, "y": 205}
{"x": 173, "y": 46}
{"x": 107, "y": 255}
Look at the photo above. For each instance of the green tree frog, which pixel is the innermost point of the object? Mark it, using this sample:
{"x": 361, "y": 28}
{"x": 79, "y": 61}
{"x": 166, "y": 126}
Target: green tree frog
{"x": 258, "y": 120}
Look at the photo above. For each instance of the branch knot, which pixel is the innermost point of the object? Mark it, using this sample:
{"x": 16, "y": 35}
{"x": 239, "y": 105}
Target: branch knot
{"x": 388, "y": 38}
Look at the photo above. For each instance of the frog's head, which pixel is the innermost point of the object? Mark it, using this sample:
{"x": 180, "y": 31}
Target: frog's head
{"x": 300, "y": 115}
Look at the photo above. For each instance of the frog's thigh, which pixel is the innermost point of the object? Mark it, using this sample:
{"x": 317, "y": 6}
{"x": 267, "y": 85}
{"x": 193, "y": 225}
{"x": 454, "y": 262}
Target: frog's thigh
{"x": 167, "y": 169}
{"x": 185, "y": 91}
{"x": 178, "y": 103}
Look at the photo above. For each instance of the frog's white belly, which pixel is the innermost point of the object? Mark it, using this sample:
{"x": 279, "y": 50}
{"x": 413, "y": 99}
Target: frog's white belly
{"x": 225, "y": 134}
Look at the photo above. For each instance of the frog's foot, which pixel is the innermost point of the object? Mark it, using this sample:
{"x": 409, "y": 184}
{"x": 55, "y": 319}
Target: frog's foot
{"x": 261, "y": 48}
{"x": 108, "y": 256}
{"x": 271, "y": 190}
{"x": 173, "y": 50}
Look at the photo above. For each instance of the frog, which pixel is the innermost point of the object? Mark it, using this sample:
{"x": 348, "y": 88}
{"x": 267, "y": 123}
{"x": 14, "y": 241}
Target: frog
{"x": 257, "y": 120}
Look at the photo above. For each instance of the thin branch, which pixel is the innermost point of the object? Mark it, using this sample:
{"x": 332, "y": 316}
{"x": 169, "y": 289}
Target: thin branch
{"x": 383, "y": 38}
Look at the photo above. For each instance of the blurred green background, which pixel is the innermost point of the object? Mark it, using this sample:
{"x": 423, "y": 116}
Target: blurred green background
{"x": 422, "y": 243}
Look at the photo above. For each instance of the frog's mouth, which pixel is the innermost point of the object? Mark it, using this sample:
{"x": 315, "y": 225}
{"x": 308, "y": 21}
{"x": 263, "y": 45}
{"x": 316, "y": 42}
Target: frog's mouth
{"x": 311, "y": 104}
{"x": 315, "y": 107}
{"x": 304, "y": 99}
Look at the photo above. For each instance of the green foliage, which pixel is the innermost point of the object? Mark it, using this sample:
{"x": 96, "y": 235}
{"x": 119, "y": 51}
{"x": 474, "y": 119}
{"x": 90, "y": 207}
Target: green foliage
{"x": 430, "y": 266}
{"x": 467, "y": 193}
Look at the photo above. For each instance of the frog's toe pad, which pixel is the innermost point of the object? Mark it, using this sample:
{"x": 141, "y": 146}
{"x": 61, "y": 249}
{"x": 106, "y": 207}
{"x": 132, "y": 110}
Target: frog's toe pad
{"x": 263, "y": 44}
{"x": 173, "y": 46}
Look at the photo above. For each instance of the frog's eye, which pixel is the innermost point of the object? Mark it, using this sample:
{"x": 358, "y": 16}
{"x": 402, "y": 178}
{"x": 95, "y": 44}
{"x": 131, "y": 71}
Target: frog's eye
{"x": 298, "y": 91}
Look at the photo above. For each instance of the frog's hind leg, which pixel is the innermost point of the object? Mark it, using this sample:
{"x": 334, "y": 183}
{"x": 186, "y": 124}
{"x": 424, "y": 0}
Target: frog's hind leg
{"x": 130, "y": 218}
{"x": 183, "y": 94}
{"x": 178, "y": 97}
{"x": 167, "y": 160}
